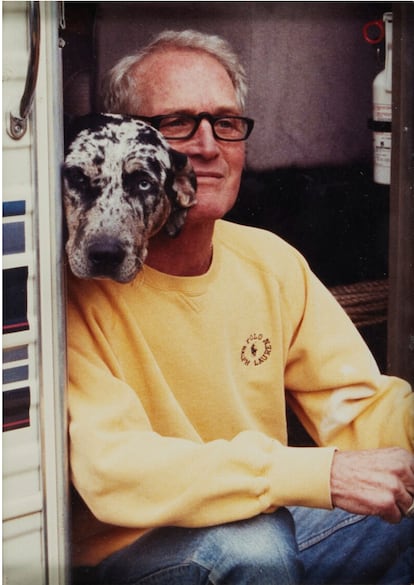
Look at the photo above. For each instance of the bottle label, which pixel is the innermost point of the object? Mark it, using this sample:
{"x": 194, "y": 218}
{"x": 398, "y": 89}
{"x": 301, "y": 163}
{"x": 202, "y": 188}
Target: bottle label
{"x": 382, "y": 157}
{"x": 382, "y": 112}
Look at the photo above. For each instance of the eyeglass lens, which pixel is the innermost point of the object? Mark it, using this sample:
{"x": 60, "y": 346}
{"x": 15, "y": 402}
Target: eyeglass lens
{"x": 226, "y": 128}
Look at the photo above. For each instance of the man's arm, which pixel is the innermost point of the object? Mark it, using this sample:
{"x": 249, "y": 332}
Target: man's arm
{"x": 334, "y": 385}
{"x": 342, "y": 399}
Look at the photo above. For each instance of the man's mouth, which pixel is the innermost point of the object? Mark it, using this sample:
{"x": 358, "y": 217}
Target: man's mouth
{"x": 208, "y": 175}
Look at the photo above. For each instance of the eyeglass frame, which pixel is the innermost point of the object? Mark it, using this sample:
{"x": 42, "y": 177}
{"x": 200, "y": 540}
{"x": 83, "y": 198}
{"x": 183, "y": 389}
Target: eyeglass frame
{"x": 155, "y": 121}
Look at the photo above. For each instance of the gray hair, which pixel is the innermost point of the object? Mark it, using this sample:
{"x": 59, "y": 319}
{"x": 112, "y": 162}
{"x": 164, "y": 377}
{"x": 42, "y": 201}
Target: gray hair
{"x": 120, "y": 90}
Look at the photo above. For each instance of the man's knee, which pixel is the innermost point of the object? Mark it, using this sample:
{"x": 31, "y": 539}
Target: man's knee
{"x": 257, "y": 551}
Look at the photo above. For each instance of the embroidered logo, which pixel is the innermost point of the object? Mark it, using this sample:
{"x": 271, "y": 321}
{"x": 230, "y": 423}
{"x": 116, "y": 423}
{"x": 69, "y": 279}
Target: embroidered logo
{"x": 256, "y": 350}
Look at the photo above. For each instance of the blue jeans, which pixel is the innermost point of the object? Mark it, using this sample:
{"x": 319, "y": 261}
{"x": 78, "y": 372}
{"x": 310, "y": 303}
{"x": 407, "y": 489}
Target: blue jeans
{"x": 338, "y": 548}
{"x": 299, "y": 546}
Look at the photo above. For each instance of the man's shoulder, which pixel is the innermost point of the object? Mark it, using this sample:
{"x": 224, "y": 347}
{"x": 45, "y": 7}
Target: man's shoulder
{"x": 255, "y": 243}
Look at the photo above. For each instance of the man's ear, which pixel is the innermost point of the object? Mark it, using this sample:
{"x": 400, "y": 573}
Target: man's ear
{"x": 180, "y": 188}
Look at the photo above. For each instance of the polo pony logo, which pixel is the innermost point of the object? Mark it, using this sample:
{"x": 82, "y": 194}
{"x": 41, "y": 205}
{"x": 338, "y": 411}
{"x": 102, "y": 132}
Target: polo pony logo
{"x": 256, "y": 350}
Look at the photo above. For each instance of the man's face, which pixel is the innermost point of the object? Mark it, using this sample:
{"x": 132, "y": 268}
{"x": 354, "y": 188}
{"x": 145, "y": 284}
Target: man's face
{"x": 191, "y": 82}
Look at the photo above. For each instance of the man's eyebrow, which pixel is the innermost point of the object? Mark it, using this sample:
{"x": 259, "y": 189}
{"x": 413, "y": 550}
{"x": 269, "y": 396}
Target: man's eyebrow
{"x": 222, "y": 111}
{"x": 232, "y": 111}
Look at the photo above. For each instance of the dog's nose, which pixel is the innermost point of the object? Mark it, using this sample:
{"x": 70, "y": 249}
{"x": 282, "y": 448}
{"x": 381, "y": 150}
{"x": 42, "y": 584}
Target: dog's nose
{"x": 105, "y": 256}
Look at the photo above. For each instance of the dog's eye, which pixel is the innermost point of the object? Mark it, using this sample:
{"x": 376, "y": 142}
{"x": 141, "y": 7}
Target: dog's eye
{"x": 144, "y": 185}
{"x": 76, "y": 178}
{"x": 137, "y": 182}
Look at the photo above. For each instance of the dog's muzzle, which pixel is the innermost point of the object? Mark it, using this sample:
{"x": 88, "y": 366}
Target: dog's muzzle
{"x": 105, "y": 257}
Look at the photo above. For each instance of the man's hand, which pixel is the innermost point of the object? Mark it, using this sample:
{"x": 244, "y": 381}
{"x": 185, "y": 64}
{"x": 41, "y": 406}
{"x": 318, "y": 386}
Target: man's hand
{"x": 377, "y": 482}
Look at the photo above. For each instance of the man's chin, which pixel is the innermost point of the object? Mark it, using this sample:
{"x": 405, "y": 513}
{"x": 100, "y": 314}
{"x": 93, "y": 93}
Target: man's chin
{"x": 211, "y": 205}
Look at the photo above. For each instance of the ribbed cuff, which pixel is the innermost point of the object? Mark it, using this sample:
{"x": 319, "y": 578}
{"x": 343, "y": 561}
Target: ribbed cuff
{"x": 301, "y": 476}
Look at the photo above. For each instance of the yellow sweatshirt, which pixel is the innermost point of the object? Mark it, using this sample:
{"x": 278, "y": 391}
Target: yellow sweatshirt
{"x": 177, "y": 393}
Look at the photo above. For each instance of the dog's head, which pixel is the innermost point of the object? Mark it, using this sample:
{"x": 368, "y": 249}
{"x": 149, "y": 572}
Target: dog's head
{"x": 122, "y": 183}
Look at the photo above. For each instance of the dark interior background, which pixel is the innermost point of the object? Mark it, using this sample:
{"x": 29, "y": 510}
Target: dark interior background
{"x": 310, "y": 70}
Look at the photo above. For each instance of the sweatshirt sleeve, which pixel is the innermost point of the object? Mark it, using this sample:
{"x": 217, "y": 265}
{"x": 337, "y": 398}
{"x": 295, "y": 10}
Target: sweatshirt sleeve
{"x": 334, "y": 384}
{"x": 131, "y": 476}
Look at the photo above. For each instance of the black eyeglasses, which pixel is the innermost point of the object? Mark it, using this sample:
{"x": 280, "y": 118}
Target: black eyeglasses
{"x": 184, "y": 126}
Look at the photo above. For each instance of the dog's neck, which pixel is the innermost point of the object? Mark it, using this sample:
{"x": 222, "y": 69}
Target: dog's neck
{"x": 189, "y": 254}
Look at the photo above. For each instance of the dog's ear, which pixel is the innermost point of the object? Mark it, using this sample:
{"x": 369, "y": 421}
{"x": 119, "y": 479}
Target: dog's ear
{"x": 184, "y": 182}
{"x": 180, "y": 187}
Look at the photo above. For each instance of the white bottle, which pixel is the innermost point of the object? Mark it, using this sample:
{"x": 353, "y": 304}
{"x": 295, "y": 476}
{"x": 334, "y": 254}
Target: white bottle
{"x": 382, "y": 111}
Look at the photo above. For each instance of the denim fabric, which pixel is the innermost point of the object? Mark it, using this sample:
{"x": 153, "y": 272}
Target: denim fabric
{"x": 259, "y": 551}
{"x": 330, "y": 548}
{"x": 338, "y": 548}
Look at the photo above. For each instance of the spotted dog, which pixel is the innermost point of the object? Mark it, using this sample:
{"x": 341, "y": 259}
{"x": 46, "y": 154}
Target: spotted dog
{"x": 122, "y": 183}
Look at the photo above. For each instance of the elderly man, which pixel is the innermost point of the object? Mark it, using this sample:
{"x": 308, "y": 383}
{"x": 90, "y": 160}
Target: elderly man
{"x": 179, "y": 382}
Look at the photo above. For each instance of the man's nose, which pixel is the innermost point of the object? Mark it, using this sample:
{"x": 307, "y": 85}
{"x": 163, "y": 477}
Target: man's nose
{"x": 203, "y": 142}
